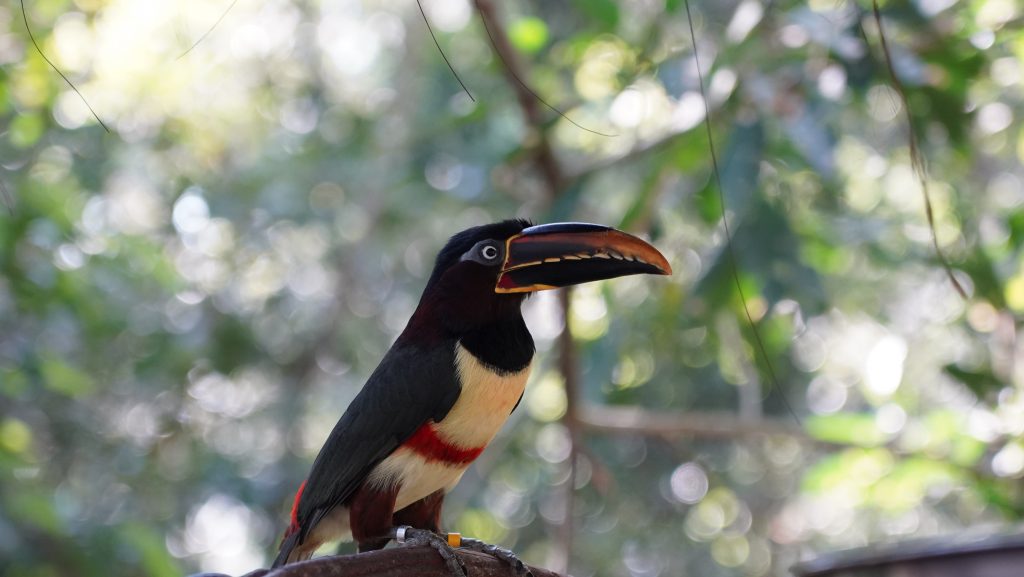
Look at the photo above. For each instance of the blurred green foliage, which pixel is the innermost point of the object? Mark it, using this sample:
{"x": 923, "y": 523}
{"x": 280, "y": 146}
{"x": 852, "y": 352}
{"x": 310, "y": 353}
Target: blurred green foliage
{"x": 188, "y": 303}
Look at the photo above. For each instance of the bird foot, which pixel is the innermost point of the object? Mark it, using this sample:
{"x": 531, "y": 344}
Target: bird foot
{"x": 520, "y": 568}
{"x": 415, "y": 537}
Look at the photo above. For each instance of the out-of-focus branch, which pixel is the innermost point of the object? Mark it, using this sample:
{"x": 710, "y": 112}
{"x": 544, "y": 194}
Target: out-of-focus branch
{"x": 917, "y": 160}
{"x": 569, "y": 367}
{"x": 668, "y": 424}
{"x": 397, "y": 562}
{"x": 7, "y": 198}
{"x": 514, "y": 71}
{"x": 548, "y": 164}
{"x": 551, "y": 170}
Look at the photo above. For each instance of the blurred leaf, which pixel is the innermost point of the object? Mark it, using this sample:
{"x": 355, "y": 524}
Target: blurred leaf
{"x": 967, "y": 451}
{"x": 981, "y": 268}
{"x": 5, "y": 93}
{"x": 708, "y": 204}
{"x": 528, "y": 34}
{"x": 906, "y": 486}
{"x": 1000, "y": 493}
{"x": 34, "y": 507}
{"x": 604, "y": 12}
{"x": 946, "y": 103}
{"x": 643, "y": 198}
{"x": 26, "y": 129}
{"x": 13, "y": 383}
{"x": 944, "y": 426}
{"x": 63, "y": 378}
{"x": 851, "y": 473}
{"x": 15, "y": 436}
{"x": 155, "y": 560}
{"x": 482, "y": 522}
{"x": 233, "y": 344}
{"x": 856, "y": 429}
{"x": 824, "y": 257}
{"x": 982, "y": 382}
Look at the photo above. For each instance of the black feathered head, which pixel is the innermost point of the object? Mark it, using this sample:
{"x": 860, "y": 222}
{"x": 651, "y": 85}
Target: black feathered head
{"x": 483, "y": 273}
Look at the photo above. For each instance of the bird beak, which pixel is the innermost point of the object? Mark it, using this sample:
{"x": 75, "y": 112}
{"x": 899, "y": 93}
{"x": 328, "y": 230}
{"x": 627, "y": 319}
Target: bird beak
{"x": 555, "y": 255}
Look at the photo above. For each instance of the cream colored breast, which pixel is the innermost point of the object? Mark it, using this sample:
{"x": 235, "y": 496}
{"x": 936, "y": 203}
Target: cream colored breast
{"x": 485, "y": 403}
{"x": 416, "y": 476}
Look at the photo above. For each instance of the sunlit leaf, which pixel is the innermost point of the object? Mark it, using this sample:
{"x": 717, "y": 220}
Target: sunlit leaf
{"x": 528, "y": 34}
{"x": 25, "y": 130}
{"x": 858, "y": 429}
{"x": 908, "y": 483}
{"x": 851, "y": 473}
{"x": 15, "y": 436}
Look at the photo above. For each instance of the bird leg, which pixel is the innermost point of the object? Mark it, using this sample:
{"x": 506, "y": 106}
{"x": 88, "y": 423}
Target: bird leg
{"x": 499, "y": 553}
{"x": 405, "y": 535}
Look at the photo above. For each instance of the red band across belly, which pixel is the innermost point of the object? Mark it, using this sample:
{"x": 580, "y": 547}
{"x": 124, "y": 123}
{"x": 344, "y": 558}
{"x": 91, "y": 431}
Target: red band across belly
{"x": 426, "y": 443}
{"x": 295, "y": 509}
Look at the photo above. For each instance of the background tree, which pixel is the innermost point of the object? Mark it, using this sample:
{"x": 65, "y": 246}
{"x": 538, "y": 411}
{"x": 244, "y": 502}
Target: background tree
{"x": 189, "y": 302}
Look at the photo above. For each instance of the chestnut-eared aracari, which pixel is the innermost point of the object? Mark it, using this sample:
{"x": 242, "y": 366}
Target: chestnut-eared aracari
{"x": 449, "y": 382}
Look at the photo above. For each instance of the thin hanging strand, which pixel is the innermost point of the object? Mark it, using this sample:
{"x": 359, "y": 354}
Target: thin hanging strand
{"x": 207, "y": 33}
{"x": 725, "y": 223}
{"x": 8, "y": 199}
{"x": 32, "y": 37}
{"x": 438, "y": 44}
{"x": 511, "y": 70}
{"x": 916, "y": 158}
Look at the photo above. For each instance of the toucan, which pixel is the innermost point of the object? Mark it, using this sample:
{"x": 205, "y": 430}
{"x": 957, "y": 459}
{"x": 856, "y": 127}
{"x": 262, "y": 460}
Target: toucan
{"x": 447, "y": 384}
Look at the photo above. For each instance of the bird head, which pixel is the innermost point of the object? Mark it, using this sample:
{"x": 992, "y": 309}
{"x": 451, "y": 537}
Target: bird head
{"x": 485, "y": 272}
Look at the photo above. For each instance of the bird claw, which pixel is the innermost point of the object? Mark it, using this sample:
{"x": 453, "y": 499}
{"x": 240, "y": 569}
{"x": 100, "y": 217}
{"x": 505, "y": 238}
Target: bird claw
{"x": 416, "y": 537}
{"x": 520, "y": 568}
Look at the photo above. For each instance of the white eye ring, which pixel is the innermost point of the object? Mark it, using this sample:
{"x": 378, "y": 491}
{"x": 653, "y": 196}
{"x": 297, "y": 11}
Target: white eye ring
{"x": 489, "y": 252}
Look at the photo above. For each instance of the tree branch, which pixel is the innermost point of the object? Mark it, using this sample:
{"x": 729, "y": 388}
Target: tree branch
{"x": 551, "y": 171}
{"x": 666, "y": 423}
{"x": 398, "y": 562}
{"x": 569, "y": 367}
{"x": 514, "y": 72}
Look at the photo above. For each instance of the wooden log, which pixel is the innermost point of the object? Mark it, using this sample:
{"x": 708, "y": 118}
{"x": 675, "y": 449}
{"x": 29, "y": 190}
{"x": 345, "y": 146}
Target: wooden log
{"x": 396, "y": 562}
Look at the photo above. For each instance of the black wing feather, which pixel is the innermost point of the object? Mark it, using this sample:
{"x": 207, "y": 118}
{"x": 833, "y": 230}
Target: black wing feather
{"x": 411, "y": 386}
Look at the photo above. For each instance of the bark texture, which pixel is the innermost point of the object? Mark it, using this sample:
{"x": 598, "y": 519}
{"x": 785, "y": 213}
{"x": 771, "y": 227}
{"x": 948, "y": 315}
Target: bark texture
{"x": 397, "y": 562}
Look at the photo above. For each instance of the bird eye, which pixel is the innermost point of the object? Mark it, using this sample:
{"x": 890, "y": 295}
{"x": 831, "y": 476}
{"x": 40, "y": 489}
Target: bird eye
{"x": 489, "y": 252}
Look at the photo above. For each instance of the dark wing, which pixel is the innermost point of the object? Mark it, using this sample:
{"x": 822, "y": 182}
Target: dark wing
{"x": 411, "y": 386}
